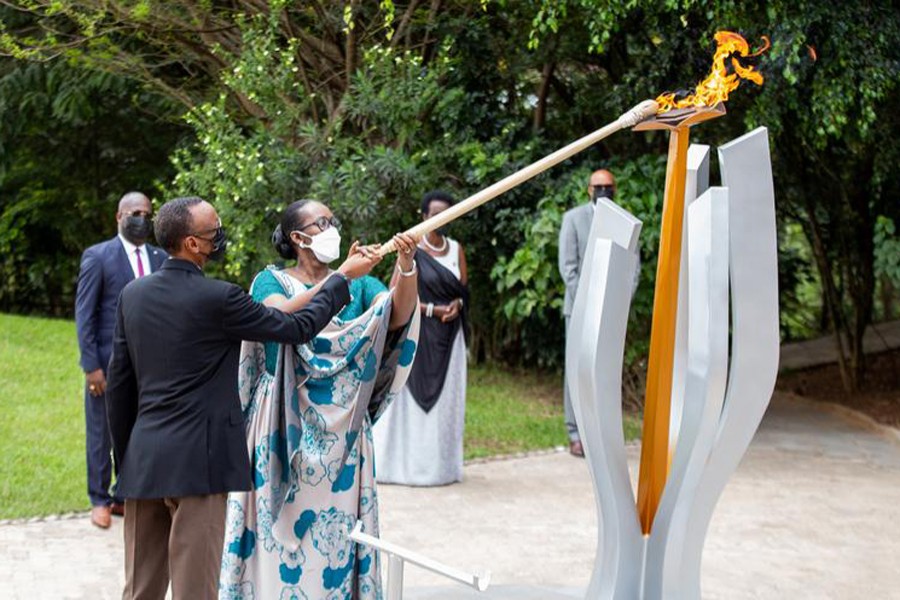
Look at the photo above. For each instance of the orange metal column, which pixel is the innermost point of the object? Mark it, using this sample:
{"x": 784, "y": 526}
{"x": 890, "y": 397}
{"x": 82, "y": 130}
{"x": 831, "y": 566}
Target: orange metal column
{"x": 657, "y": 402}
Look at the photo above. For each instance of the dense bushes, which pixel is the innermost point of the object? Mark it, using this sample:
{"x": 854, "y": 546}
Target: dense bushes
{"x": 368, "y": 105}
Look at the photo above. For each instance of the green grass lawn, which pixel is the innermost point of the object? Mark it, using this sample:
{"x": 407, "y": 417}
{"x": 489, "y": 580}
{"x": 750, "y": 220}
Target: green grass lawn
{"x": 515, "y": 411}
{"x": 510, "y": 412}
{"x": 42, "y": 470}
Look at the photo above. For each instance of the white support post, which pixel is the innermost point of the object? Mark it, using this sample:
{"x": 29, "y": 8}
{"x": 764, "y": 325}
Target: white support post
{"x": 395, "y": 577}
{"x": 397, "y": 556}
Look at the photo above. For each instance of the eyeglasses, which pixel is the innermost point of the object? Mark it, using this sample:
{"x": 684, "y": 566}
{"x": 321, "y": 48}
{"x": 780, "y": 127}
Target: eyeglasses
{"x": 214, "y": 231}
{"x": 139, "y": 213}
{"x": 323, "y": 223}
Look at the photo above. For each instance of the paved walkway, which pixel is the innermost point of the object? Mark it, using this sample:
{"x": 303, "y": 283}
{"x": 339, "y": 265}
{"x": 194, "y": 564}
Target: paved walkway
{"x": 813, "y": 512}
{"x": 821, "y": 351}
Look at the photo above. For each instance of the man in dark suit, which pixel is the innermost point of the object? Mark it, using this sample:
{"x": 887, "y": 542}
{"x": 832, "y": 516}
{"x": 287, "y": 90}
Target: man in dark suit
{"x": 172, "y": 398}
{"x": 105, "y": 269}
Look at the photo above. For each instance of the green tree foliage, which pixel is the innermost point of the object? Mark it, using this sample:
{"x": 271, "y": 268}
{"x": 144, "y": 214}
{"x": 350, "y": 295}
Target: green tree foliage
{"x": 366, "y": 105}
{"x": 528, "y": 282}
{"x": 72, "y": 141}
{"x": 887, "y": 265}
{"x": 831, "y": 75}
{"x": 835, "y": 70}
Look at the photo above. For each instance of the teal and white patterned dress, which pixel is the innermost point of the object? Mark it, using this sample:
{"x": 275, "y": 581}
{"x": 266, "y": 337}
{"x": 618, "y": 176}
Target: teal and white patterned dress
{"x": 309, "y": 412}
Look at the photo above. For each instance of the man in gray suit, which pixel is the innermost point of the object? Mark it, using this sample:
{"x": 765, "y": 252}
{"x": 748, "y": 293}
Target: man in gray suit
{"x": 573, "y": 238}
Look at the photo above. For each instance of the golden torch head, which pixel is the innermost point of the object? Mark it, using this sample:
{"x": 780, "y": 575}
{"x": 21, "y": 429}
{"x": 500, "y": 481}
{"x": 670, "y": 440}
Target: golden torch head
{"x": 707, "y": 100}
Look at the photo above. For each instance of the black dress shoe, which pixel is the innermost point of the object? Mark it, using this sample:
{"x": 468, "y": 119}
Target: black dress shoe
{"x": 576, "y": 449}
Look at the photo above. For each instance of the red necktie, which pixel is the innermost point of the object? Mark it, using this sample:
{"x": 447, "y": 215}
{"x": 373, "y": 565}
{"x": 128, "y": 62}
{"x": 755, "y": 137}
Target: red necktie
{"x": 140, "y": 263}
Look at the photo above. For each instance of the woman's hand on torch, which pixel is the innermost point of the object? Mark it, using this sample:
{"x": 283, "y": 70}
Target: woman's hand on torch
{"x": 360, "y": 260}
{"x": 405, "y": 281}
{"x": 406, "y": 248}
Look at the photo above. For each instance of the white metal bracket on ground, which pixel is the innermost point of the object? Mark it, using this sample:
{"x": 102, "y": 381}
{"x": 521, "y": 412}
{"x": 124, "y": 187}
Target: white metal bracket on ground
{"x": 397, "y": 557}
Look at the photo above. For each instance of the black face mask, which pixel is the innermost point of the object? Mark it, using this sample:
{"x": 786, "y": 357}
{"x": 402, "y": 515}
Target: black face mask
{"x": 603, "y": 191}
{"x": 137, "y": 228}
{"x": 219, "y": 242}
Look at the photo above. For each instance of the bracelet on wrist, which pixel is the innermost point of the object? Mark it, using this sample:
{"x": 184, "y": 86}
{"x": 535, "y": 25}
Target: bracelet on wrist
{"x": 409, "y": 273}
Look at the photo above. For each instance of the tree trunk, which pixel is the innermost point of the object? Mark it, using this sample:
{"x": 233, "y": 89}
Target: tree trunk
{"x": 831, "y": 300}
{"x": 861, "y": 267}
{"x": 540, "y": 111}
{"x": 350, "y": 48}
{"x": 888, "y": 297}
{"x": 402, "y": 32}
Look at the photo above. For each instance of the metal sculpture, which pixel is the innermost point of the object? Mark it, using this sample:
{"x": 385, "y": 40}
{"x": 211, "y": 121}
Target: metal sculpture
{"x": 731, "y": 254}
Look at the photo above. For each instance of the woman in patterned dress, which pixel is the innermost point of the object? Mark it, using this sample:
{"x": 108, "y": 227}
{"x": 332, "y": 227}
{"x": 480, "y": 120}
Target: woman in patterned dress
{"x": 309, "y": 412}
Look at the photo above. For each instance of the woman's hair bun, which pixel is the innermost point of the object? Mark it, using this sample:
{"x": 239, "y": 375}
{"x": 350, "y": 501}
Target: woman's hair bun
{"x": 282, "y": 244}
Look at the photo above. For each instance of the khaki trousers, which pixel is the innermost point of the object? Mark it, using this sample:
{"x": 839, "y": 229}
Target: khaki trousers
{"x": 174, "y": 538}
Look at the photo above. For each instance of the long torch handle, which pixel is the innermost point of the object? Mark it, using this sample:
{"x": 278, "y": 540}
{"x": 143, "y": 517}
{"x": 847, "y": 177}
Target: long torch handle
{"x": 632, "y": 117}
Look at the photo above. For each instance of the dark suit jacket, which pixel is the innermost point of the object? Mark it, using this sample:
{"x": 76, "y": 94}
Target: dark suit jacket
{"x": 172, "y": 393}
{"x": 105, "y": 270}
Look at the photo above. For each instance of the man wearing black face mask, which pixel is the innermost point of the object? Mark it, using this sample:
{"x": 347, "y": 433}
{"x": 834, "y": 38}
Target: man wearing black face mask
{"x": 174, "y": 411}
{"x": 573, "y": 238}
{"x": 105, "y": 269}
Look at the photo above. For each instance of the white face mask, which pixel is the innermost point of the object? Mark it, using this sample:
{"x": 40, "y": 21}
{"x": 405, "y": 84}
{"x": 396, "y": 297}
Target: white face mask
{"x": 326, "y": 245}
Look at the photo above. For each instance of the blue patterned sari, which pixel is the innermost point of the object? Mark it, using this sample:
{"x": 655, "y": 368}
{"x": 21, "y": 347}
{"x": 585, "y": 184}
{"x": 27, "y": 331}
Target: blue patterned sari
{"x": 309, "y": 411}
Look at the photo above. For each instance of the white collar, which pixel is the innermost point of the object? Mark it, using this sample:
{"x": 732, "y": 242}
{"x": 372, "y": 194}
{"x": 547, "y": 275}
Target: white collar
{"x": 129, "y": 247}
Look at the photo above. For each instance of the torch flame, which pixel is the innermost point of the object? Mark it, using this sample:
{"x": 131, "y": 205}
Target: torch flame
{"x": 719, "y": 82}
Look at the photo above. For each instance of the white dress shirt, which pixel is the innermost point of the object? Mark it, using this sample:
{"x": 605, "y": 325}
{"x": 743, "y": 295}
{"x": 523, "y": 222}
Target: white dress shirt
{"x": 131, "y": 251}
